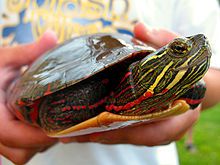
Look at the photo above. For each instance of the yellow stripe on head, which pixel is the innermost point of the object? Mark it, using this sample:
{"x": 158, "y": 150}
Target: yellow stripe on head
{"x": 160, "y": 76}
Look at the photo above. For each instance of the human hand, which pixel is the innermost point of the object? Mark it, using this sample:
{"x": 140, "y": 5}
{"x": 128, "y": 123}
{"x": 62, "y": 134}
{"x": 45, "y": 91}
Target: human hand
{"x": 19, "y": 141}
{"x": 149, "y": 134}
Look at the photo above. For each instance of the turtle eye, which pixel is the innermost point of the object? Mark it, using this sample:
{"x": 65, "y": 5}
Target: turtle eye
{"x": 179, "y": 47}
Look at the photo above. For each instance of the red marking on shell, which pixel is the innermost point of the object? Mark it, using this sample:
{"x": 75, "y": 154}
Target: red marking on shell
{"x": 78, "y": 107}
{"x": 66, "y": 108}
{"x": 91, "y": 106}
{"x": 48, "y": 91}
{"x": 73, "y": 107}
{"x": 98, "y": 103}
{"x": 19, "y": 115}
{"x": 34, "y": 112}
{"x": 64, "y": 118}
{"x": 21, "y": 103}
{"x": 83, "y": 107}
{"x": 58, "y": 102}
{"x": 95, "y": 105}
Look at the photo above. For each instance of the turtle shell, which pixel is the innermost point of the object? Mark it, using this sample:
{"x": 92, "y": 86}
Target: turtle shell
{"x": 69, "y": 64}
{"x": 74, "y": 61}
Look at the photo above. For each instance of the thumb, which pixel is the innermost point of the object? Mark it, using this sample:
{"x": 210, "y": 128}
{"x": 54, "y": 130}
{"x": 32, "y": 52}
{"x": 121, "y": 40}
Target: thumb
{"x": 25, "y": 54}
{"x": 153, "y": 36}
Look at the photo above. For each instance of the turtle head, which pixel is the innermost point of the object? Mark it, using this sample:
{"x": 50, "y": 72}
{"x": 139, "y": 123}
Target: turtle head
{"x": 176, "y": 66}
{"x": 189, "y": 53}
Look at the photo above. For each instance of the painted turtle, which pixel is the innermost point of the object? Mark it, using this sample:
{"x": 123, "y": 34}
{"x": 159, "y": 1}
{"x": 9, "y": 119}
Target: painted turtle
{"x": 104, "y": 81}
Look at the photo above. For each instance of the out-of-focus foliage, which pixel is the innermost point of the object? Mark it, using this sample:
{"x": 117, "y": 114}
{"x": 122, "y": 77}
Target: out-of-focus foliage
{"x": 206, "y": 138}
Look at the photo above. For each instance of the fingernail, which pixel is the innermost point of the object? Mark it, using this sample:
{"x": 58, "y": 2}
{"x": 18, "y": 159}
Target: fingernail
{"x": 50, "y": 36}
{"x": 146, "y": 28}
{"x": 142, "y": 31}
{"x": 47, "y": 41}
{"x": 151, "y": 31}
{"x": 155, "y": 31}
{"x": 51, "y": 33}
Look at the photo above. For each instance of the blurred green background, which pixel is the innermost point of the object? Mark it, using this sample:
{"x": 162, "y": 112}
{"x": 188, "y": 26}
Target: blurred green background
{"x": 206, "y": 139}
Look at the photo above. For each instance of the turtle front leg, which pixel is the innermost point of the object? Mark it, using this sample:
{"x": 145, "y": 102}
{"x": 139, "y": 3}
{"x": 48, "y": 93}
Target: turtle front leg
{"x": 194, "y": 96}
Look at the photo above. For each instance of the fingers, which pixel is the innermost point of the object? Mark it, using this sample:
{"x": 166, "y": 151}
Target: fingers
{"x": 19, "y": 142}
{"x": 157, "y": 133}
{"x": 20, "y": 155}
{"x": 7, "y": 74}
{"x": 15, "y": 133}
{"x": 17, "y": 155}
{"x": 212, "y": 97}
{"x": 153, "y": 36}
{"x": 25, "y": 54}
{"x": 24, "y": 136}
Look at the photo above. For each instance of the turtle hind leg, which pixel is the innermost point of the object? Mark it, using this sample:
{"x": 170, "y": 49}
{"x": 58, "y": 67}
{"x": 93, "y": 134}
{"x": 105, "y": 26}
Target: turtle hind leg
{"x": 195, "y": 94}
{"x": 72, "y": 105}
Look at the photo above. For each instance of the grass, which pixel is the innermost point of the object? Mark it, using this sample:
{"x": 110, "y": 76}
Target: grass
{"x": 206, "y": 138}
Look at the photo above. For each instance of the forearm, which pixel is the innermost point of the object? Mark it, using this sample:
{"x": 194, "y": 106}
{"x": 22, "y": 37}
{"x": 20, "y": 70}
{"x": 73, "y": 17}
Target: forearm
{"x": 212, "y": 96}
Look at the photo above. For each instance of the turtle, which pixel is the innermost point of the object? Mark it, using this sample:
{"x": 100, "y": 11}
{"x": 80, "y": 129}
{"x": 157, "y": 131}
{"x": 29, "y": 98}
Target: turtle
{"x": 104, "y": 81}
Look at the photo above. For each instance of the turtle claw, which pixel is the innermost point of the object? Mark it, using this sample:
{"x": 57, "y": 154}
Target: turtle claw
{"x": 106, "y": 121}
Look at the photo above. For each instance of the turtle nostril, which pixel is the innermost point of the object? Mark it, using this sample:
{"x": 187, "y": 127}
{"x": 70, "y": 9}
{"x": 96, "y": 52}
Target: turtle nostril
{"x": 201, "y": 36}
